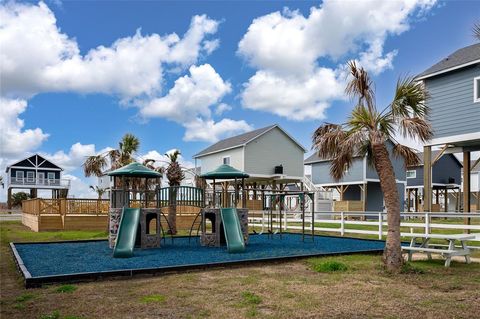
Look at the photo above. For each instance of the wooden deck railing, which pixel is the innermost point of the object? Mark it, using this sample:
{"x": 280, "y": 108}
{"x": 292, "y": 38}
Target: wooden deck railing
{"x": 80, "y": 206}
{"x": 65, "y": 206}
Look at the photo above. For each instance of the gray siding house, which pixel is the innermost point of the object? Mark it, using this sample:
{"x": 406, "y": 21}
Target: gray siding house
{"x": 359, "y": 189}
{"x": 266, "y": 154}
{"x": 446, "y": 182}
{"x": 454, "y": 88}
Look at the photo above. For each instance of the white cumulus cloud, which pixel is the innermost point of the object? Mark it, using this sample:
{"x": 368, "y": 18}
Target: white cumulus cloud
{"x": 37, "y": 57}
{"x": 211, "y": 131}
{"x": 15, "y": 141}
{"x": 294, "y": 54}
{"x": 190, "y": 102}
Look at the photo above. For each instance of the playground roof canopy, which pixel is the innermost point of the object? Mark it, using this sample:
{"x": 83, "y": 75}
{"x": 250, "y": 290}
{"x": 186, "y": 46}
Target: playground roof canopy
{"x": 225, "y": 172}
{"x": 134, "y": 170}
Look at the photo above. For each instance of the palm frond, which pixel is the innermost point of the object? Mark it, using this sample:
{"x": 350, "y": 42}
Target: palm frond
{"x": 416, "y": 128}
{"x": 476, "y": 30}
{"x": 410, "y": 99}
{"x": 360, "y": 86}
{"x": 361, "y": 118}
{"x": 326, "y": 138}
{"x": 409, "y": 156}
{"x": 129, "y": 144}
{"x": 340, "y": 165}
{"x": 94, "y": 165}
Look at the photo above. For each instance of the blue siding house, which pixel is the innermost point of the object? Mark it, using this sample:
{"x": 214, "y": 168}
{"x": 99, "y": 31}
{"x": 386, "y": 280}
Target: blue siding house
{"x": 446, "y": 183}
{"x": 454, "y": 88}
{"x": 33, "y": 173}
{"x": 359, "y": 189}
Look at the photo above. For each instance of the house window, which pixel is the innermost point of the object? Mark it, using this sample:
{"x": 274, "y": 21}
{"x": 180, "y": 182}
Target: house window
{"x": 412, "y": 174}
{"x": 226, "y": 160}
{"x": 19, "y": 176}
{"x": 476, "y": 89}
{"x": 51, "y": 176}
{"x": 30, "y": 177}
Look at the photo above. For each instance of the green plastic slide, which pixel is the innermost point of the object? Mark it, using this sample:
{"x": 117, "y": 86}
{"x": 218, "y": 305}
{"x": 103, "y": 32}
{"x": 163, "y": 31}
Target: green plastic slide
{"x": 127, "y": 233}
{"x": 233, "y": 230}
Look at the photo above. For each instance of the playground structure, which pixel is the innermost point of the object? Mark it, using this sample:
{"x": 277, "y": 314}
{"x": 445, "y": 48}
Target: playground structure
{"x": 128, "y": 226}
{"x": 136, "y": 217}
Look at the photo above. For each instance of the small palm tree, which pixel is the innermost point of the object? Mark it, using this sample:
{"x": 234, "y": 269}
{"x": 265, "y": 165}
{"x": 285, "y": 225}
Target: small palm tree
{"x": 175, "y": 175}
{"x": 96, "y": 164}
{"x": 100, "y": 191}
{"x": 366, "y": 133}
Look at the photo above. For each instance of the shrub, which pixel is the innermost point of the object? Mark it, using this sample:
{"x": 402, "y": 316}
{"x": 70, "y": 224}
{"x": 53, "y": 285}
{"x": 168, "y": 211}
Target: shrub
{"x": 330, "y": 266}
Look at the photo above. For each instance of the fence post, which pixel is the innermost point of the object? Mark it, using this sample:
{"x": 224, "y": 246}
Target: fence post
{"x": 263, "y": 221}
{"x": 427, "y": 224}
{"x": 342, "y": 224}
{"x": 380, "y": 225}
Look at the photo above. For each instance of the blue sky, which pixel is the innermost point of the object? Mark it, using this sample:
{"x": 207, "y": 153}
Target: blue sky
{"x": 236, "y": 49}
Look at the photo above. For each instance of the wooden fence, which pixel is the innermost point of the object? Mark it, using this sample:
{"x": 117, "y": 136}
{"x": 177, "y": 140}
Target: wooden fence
{"x": 348, "y": 206}
{"x": 65, "y": 206}
{"x": 86, "y": 214}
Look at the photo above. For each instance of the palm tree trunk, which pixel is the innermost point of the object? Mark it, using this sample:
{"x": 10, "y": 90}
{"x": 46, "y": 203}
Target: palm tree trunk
{"x": 172, "y": 209}
{"x": 392, "y": 255}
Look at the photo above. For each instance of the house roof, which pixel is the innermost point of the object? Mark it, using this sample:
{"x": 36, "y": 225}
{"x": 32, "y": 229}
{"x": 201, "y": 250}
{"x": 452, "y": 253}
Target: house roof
{"x": 241, "y": 140}
{"x": 34, "y": 161}
{"x": 134, "y": 170}
{"x": 461, "y": 58}
{"x": 225, "y": 172}
{"x": 434, "y": 155}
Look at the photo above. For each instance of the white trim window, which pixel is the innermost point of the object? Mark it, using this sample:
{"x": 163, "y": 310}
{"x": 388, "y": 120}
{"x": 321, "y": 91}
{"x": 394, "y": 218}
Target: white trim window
{"x": 226, "y": 160}
{"x": 476, "y": 89}
{"x": 30, "y": 177}
{"x": 412, "y": 174}
{"x": 19, "y": 175}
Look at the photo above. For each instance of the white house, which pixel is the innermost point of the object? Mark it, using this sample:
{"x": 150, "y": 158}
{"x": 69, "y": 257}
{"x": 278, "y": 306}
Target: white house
{"x": 269, "y": 155}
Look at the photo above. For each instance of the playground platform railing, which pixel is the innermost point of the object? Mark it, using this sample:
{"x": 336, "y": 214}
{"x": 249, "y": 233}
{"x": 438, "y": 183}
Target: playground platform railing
{"x": 372, "y": 224}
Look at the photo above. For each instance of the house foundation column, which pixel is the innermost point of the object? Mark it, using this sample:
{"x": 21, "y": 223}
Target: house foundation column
{"x": 466, "y": 186}
{"x": 427, "y": 178}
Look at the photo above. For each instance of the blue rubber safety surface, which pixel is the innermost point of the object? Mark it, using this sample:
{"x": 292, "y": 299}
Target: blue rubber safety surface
{"x": 51, "y": 259}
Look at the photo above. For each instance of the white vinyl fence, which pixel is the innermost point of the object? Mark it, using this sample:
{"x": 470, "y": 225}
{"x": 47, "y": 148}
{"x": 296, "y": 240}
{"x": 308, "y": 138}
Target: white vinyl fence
{"x": 376, "y": 222}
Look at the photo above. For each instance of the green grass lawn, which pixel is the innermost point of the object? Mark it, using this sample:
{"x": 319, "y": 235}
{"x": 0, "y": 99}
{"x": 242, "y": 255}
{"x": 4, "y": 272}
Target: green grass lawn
{"x": 349, "y": 286}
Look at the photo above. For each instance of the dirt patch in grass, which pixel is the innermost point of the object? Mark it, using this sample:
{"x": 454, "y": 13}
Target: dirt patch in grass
{"x": 280, "y": 290}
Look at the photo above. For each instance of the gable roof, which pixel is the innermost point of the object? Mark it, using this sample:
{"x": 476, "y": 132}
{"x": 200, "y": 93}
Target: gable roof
{"x": 241, "y": 140}
{"x": 314, "y": 158}
{"x": 461, "y": 58}
{"x": 34, "y": 161}
{"x": 434, "y": 155}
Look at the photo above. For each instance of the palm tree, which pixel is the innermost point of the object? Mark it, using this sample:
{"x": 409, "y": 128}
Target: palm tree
{"x": 175, "y": 175}
{"x": 476, "y": 30}
{"x": 1, "y": 181}
{"x": 96, "y": 164}
{"x": 366, "y": 133}
{"x": 100, "y": 191}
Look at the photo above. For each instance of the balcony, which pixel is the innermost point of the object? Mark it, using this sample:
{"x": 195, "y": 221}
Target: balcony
{"x": 38, "y": 183}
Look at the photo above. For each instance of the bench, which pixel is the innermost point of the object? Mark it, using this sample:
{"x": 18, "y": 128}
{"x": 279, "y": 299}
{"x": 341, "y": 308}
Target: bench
{"x": 447, "y": 253}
